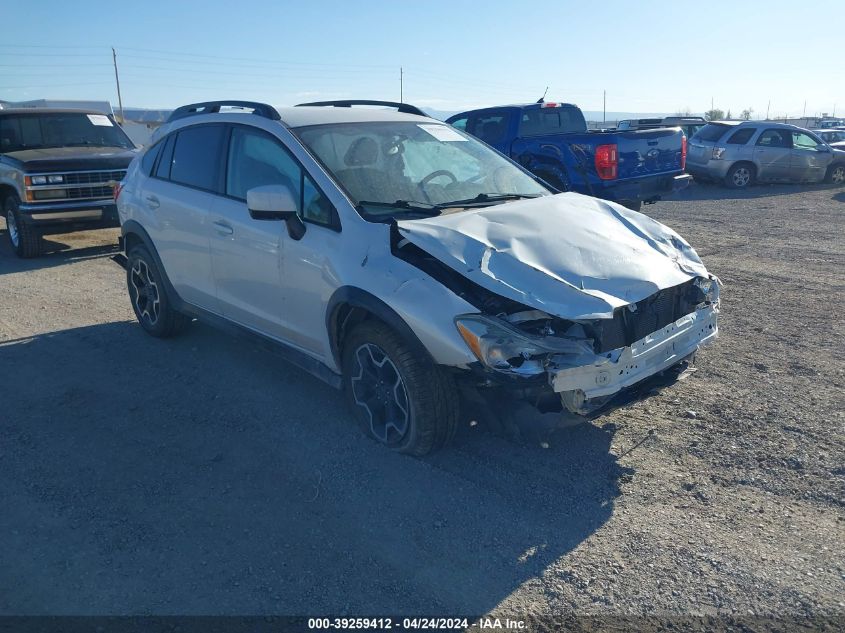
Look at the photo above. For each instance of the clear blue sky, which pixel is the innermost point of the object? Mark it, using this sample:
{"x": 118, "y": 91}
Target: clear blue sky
{"x": 649, "y": 56}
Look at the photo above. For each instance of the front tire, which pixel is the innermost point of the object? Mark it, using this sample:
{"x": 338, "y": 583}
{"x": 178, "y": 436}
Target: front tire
{"x": 836, "y": 175}
{"x": 400, "y": 398}
{"x": 149, "y": 298}
{"x": 25, "y": 239}
{"x": 740, "y": 176}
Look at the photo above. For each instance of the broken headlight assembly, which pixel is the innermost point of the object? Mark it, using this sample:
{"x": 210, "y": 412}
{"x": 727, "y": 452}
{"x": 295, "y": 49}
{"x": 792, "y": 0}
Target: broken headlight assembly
{"x": 504, "y": 348}
{"x": 709, "y": 288}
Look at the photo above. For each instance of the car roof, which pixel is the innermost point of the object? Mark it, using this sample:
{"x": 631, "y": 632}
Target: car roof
{"x": 48, "y": 111}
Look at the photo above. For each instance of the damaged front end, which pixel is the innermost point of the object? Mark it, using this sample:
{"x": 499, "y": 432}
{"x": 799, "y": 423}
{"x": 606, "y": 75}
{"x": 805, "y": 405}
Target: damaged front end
{"x": 587, "y": 363}
{"x": 580, "y": 301}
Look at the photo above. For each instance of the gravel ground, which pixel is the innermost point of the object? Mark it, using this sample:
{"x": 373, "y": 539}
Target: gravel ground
{"x": 202, "y": 475}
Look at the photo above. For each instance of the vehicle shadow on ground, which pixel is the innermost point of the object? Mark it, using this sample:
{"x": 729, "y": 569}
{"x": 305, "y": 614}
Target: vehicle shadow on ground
{"x": 715, "y": 191}
{"x": 201, "y": 475}
{"x": 56, "y": 253}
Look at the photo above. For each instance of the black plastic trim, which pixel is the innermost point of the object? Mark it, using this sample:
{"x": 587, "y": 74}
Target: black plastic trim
{"x": 213, "y": 107}
{"x": 357, "y": 298}
{"x": 406, "y": 108}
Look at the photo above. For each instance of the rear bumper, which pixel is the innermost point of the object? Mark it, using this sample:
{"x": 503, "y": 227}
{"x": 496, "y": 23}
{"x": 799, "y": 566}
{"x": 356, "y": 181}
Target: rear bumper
{"x": 650, "y": 189}
{"x": 69, "y": 215}
{"x": 712, "y": 169}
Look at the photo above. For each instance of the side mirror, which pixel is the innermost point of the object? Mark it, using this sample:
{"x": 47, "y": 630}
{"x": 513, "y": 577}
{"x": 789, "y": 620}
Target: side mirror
{"x": 275, "y": 202}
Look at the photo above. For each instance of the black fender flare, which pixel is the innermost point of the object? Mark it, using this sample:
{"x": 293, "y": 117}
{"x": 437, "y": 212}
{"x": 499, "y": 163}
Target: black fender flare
{"x": 354, "y": 297}
{"x": 132, "y": 227}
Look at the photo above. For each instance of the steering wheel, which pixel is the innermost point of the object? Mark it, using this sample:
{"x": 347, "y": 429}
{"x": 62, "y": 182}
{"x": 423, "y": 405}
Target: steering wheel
{"x": 432, "y": 176}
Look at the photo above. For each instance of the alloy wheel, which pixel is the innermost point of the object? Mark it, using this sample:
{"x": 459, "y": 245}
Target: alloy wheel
{"x": 838, "y": 175}
{"x": 741, "y": 177}
{"x": 378, "y": 388}
{"x": 146, "y": 296}
{"x": 12, "y": 227}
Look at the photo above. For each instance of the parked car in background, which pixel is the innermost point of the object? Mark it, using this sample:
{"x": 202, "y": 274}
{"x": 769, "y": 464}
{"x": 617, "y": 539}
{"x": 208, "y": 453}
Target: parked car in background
{"x": 58, "y": 168}
{"x": 405, "y": 261}
{"x": 832, "y": 123}
{"x": 833, "y": 137}
{"x": 689, "y": 124}
{"x": 552, "y": 141}
{"x": 742, "y": 153}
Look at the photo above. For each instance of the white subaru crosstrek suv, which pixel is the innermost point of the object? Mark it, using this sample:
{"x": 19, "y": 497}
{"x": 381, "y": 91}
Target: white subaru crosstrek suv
{"x": 408, "y": 263}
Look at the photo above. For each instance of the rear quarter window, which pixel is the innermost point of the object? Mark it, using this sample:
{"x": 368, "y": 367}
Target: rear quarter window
{"x": 711, "y": 132}
{"x": 741, "y": 137}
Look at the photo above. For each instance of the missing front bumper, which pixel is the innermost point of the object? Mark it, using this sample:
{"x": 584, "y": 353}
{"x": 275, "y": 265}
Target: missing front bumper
{"x": 585, "y": 388}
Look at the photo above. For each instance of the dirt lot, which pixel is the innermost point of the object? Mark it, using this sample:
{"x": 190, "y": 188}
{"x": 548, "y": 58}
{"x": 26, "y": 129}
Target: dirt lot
{"x": 203, "y": 476}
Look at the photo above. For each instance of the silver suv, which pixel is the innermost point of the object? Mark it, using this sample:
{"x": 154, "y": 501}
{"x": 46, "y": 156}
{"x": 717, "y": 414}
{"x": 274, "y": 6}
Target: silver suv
{"x": 742, "y": 153}
{"x": 408, "y": 263}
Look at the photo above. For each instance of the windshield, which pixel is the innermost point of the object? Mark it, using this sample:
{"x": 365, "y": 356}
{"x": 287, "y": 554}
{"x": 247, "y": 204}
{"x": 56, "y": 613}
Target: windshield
{"x": 63, "y": 129}
{"x": 403, "y": 167}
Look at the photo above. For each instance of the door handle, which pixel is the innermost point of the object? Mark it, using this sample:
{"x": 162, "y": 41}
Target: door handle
{"x": 152, "y": 202}
{"x": 223, "y": 228}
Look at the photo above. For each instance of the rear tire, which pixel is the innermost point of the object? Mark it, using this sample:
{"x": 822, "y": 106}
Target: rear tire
{"x": 25, "y": 239}
{"x": 835, "y": 175}
{"x": 633, "y": 205}
{"x": 400, "y": 398}
{"x": 740, "y": 176}
{"x": 149, "y": 298}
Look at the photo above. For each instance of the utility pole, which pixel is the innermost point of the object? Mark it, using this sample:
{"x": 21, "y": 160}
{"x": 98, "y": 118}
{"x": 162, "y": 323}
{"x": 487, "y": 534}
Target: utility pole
{"x": 769, "y": 105}
{"x": 604, "y": 106}
{"x": 804, "y": 115}
{"x": 401, "y": 85}
{"x": 117, "y": 80}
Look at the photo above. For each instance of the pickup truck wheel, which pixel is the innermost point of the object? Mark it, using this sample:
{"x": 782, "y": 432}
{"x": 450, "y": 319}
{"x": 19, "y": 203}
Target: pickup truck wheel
{"x": 149, "y": 299}
{"x": 836, "y": 175}
{"x": 399, "y": 398}
{"x": 25, "y": 239}
{"x": 740, "y": 176}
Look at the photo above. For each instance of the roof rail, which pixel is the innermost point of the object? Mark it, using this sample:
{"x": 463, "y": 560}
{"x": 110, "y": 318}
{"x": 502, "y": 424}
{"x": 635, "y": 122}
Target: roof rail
{"x": 348, "y": 103}
{"x": 211, "y": 107}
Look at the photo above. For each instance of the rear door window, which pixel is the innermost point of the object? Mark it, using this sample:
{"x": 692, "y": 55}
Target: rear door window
{"x": 711, "y": 132}
{"x": 491, "y": 127}
{"x": 741, "y": 137}
{"x": 197, "y": 157}
{"x": 775, "y": 138}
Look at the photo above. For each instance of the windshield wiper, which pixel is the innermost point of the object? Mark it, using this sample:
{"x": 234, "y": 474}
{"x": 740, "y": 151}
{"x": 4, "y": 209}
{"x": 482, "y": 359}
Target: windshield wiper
{"x": 402, "y": 205}
{"x": 485, "y": 198}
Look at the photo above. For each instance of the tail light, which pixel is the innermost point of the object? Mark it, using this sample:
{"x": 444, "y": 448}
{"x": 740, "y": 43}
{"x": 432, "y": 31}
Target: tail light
{"x": 607, "y": 161}
{"x": 683, "y": 152}
{"x": 116, "y": 189}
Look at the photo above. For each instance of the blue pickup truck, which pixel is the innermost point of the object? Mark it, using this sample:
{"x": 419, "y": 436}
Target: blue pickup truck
{"x": 552, "y": 141}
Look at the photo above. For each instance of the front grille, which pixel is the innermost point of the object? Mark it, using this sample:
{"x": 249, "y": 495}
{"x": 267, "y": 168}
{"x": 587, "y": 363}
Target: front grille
{"x": 78, "y": 185}
{"x": 96, "y": 177}
{"x": 78, "y": 193}
{"x": 651, "y": 314}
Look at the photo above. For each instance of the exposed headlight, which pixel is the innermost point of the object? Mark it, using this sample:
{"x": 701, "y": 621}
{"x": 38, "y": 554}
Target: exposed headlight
{"x": 39, "y": 180}
{"x": 504, "y": 348}
{"x": 55, "y": 179}
{"x": 710, "y": 288}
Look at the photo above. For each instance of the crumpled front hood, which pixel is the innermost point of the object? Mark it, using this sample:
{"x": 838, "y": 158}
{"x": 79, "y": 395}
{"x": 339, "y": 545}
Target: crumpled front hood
{"x": 570, "y": 255}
